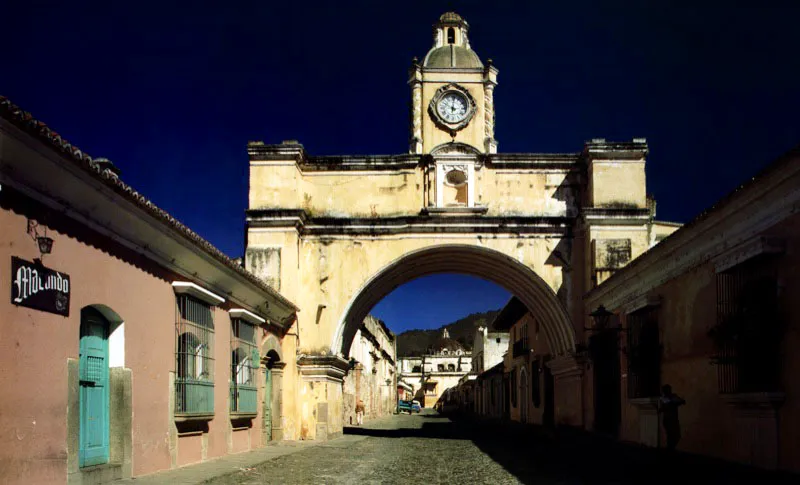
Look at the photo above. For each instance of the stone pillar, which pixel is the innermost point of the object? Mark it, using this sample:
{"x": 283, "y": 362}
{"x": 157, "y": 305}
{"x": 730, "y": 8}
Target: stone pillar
{"x": 415, "y": 80}
{"x": 568, "y": 390}
{"x": 324, "y": 376}
{"x": 756, "y": 427}
{"x": 276, "y": 406}
{"x": 648, "y": 420}
{"x": 489, "y": 82}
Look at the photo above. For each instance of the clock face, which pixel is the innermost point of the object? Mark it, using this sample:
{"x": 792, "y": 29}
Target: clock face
{"x": 453, "y": 107}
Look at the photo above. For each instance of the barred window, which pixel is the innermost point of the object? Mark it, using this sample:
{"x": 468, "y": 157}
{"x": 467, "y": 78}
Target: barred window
{"x": 749, "y": 328}
{"x": 525, "y": 336}
{"x": 194, "y": 357}
{"x": 644, "y": 354}
{"x": 244, "y": 366}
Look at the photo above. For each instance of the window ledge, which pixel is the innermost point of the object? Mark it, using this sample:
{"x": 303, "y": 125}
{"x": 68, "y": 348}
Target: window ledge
{"x": 454, "y": 210}
{"x": 183, "y": 418}
{"x": 755, "y": 400}
{"x": 644, "y": 402}
{"x": 243, "y": 415}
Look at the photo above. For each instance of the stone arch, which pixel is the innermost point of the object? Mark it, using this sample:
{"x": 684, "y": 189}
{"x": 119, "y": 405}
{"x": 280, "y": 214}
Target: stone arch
{"x": 271, "y": 350}
{"x": 481, "y": 262}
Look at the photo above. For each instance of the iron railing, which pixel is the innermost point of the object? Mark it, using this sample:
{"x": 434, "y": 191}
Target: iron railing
{"x": 194, "y": 358}
{"x": 244, "y": 366}
{"x": 749, "y": 331}
{"x": 644, "y": 354}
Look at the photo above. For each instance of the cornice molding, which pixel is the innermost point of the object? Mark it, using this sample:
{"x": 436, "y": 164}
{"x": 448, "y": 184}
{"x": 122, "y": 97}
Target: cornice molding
{"x": 420, "y": 224}
{"x": 330, "y": 368}
{"x": 747, "y": 250}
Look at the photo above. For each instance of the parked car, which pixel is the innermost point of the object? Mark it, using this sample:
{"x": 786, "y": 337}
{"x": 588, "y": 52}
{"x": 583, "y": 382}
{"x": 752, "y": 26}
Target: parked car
{"x": 408, "y": 407}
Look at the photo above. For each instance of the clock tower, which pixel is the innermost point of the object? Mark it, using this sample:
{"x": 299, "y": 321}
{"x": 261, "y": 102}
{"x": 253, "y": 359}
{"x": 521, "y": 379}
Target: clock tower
{"x": 452, "y": 94}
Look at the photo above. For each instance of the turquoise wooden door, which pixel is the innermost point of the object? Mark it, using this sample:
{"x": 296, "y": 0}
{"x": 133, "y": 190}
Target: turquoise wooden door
{"x": 268, "y": 402}
{"x": 93, "y": 389}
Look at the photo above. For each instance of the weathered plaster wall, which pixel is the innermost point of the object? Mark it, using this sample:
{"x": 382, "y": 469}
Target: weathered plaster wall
{"x": 538, "y": 350}
{"x": 507, "y": 192}
{"x": 331, "y": 272}
{"x": 35, "y": 405}
{"x": 473, "y": 133}
{"x": 617, "y": 184}
{"x": 686, "y": 313}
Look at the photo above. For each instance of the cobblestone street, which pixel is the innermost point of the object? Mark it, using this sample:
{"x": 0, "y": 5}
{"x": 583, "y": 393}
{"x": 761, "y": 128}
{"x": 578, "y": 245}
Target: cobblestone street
{"x": 432, "y": 449}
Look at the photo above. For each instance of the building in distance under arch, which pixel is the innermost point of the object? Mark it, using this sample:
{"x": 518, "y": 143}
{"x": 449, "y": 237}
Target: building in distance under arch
{"x": 445, "y": 363}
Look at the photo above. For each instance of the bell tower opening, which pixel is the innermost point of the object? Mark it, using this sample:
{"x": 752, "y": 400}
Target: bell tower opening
{"x": 451, "y": 36}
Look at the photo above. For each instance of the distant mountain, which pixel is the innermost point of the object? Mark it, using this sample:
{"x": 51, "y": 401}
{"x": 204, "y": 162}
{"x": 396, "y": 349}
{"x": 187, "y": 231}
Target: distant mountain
{"x": 416, "y": 342}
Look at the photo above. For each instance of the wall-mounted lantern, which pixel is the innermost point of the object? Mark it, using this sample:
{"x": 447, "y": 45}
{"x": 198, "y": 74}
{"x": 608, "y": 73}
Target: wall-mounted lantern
{"x": 44, "y": 243}
{"x": 601, "y": 316}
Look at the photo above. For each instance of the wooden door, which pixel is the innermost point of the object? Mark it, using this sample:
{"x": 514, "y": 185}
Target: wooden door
{"x": 268, "y": 402}
{"x": 93, "y": 371}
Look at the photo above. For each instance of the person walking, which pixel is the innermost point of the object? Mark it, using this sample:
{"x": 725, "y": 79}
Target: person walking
{"x": 359, "y": 412}
{"x": 668, "y": 405}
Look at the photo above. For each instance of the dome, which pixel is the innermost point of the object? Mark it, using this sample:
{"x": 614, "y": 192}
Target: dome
{"x": 452, "y": 56}
{"x": 447, "y": 344}
{"x": 450, "y": 17}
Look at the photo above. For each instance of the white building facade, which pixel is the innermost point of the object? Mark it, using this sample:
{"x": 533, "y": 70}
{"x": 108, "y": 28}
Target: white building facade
{"x": 440, "y": 369}
{"x": 372, "y": 376}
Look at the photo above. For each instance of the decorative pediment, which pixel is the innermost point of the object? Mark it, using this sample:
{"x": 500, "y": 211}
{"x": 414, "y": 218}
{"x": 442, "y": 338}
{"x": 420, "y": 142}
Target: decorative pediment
{"x": 455, "y": 148}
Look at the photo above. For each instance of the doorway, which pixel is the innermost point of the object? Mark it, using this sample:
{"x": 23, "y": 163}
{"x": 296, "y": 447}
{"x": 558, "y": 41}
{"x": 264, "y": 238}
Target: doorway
{"x": 523, "y": 395}
{"x": 93, "y": 389}
{"x": 604, "y": 351}
{"x": 268, "y": 403}
{"x": 549, "y": 416}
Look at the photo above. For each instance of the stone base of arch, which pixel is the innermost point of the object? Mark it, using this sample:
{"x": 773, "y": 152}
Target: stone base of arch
{"x": 568, "y": 390}
{"x": 322, "y": 377}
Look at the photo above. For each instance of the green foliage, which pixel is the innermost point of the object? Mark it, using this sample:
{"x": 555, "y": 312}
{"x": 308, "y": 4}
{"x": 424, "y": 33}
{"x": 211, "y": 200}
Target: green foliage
{"x": 414, "y": 343}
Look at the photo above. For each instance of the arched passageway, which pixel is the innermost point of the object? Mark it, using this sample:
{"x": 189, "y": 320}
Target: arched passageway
{"x": 477, "y": 261}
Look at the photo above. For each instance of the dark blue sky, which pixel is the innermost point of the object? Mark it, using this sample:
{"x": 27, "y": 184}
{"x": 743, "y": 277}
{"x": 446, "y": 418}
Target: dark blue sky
{"x": 172, "y": 92}
{"x": 432, "y": 301}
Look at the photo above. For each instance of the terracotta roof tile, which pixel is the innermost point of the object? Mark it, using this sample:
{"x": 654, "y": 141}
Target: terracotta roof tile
{"x": 25, "y": 121}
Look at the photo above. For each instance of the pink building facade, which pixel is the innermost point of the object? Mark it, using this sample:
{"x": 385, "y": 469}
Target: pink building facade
{"x": 130, "y": 345}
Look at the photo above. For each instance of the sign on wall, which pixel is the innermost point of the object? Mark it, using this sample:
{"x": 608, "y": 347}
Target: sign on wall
{"x": 35, "y": 286}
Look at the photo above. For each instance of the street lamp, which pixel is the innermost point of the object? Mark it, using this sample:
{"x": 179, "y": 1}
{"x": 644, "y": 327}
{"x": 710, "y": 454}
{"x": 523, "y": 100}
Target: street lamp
{"x": 45, "y": 244}
{"x": 601, "y": 317}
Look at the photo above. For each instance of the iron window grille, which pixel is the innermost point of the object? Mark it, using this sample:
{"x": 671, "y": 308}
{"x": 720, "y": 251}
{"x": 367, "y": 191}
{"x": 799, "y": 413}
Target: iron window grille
{"x": 194, "y": 357}
{"x": 525, "y": 337}
{"x": 644, "y": 354}
{"x": 749, "y": 330}
{"x": 244, "y": 367}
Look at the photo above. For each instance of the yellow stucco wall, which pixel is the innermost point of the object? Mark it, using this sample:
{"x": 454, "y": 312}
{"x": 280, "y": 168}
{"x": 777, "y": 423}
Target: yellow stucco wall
{"x": 505, "y": 192}
{"x": 618, "y": 183}
{"x": 472, "y": 134}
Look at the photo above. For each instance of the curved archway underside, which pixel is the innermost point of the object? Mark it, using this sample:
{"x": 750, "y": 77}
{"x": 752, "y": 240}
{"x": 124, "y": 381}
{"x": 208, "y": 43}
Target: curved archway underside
{"x": 481, "y": 262}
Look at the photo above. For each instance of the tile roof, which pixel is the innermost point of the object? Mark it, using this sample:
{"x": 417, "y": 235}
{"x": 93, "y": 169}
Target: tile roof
{"x": 26, "y": 122}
